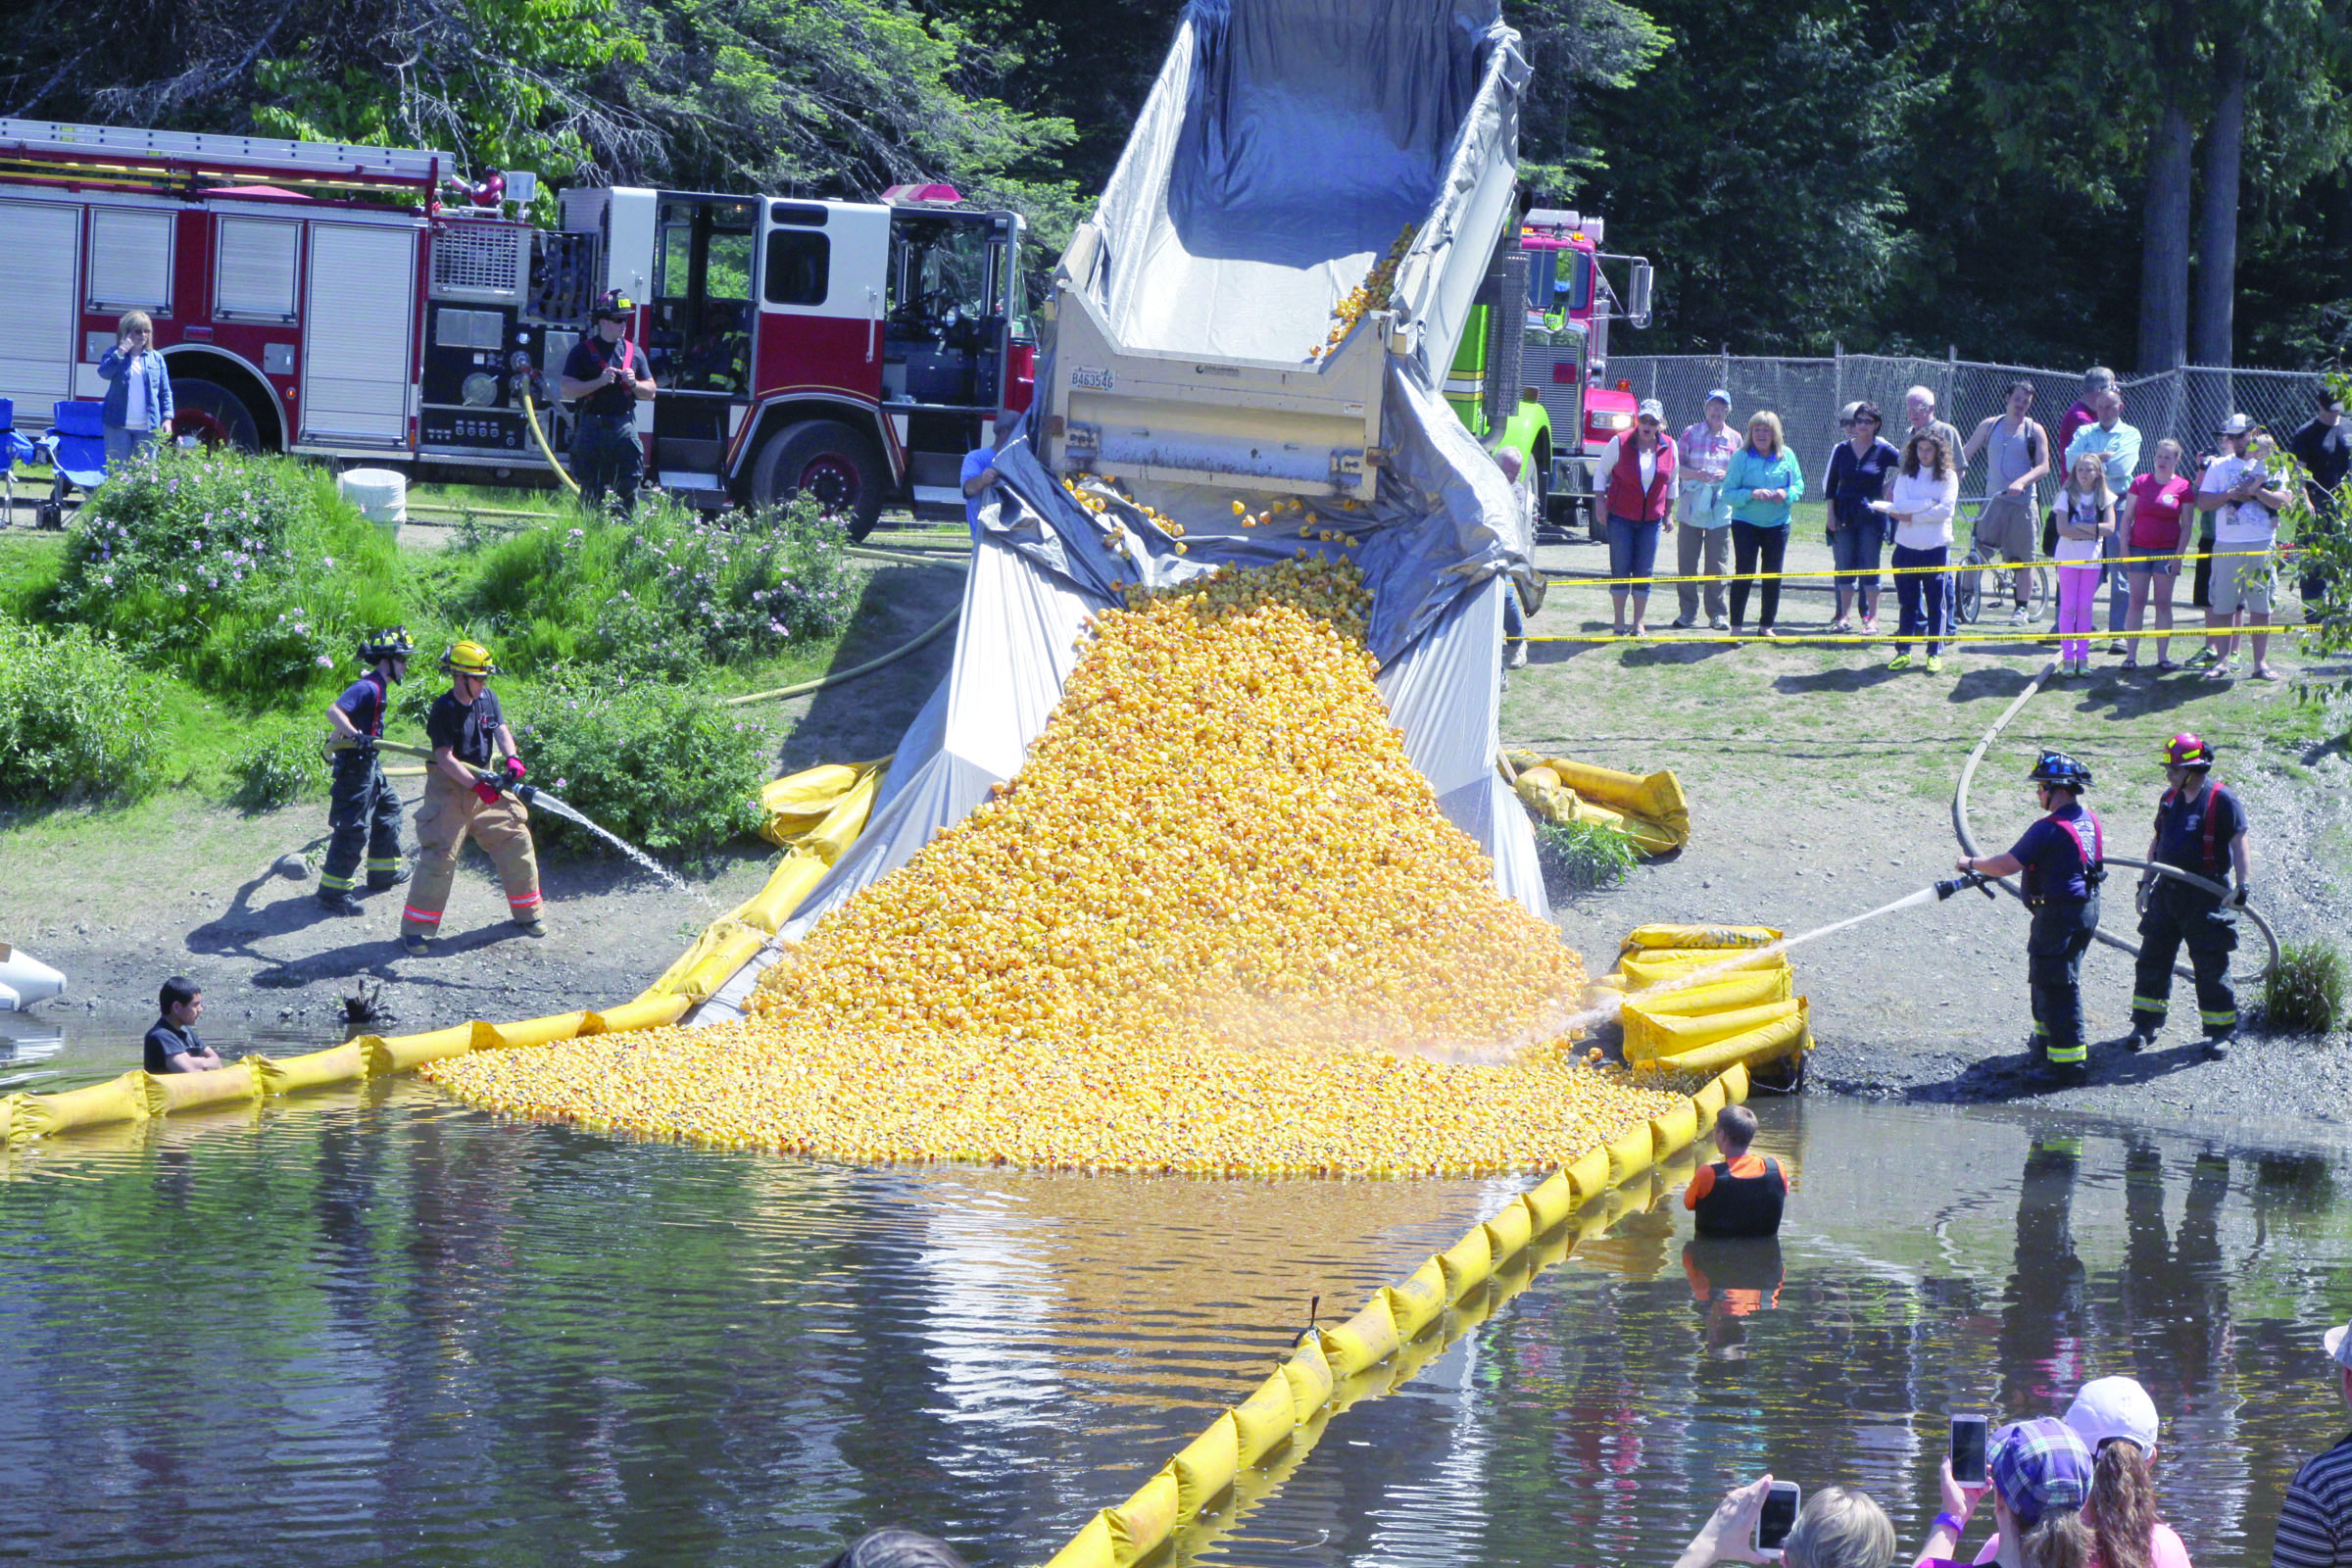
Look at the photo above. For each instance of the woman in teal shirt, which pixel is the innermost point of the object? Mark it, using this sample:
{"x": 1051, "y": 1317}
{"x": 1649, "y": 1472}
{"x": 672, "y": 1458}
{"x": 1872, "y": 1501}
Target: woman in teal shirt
{"x": 1764, "y": 481}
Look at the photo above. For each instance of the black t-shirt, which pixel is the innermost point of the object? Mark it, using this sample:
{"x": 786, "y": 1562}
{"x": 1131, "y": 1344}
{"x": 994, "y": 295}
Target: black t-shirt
{"x": 470, "y": 732}
{"x": 587, "y": 361}
{"x": 363, "y": 702}
{"x": 2181, "y": 826}
{"x": 2325, "y": 450}
{"x": 165, "y": 1042}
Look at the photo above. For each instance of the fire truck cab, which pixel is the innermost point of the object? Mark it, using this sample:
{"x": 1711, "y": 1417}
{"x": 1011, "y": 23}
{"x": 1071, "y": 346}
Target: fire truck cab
{"x": 1570, "y": 303}
{"x": 362, "y": 303}
{"x": 856, "y": 350}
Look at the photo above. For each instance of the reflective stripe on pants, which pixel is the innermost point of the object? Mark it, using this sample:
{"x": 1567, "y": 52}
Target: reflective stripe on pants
{"x": 451, "y": 812}
{"x": 2060, "y": 935}
{"x": 362, "y": 814}
{"x": 2179, "y": 915}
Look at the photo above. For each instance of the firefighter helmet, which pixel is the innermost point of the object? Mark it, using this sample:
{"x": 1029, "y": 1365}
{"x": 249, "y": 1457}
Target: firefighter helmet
{"x": 468, "y": 658}
{"x": 2060, "y": 772}
{"x": 2185, "y": 750}
{"x": 615, "y": 304}
{"x": 390, "y": 643}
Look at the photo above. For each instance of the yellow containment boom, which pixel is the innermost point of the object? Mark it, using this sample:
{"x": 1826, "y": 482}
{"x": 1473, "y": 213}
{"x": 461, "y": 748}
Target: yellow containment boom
{"x": 1651, "y": 809}
{"x": 817, "y": 813}
{"x": 137, "y": 1095}
{"x": 1393, "y": 1336}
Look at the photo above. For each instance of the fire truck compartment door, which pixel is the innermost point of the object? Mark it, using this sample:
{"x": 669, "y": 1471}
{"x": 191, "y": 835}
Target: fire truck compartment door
{"x": 359, "y": 320}
{"x": 38, "y": 330}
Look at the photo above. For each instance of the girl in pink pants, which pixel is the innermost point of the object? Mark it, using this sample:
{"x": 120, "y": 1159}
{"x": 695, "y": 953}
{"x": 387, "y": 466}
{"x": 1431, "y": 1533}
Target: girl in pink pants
{"x": 2086, "y": 518}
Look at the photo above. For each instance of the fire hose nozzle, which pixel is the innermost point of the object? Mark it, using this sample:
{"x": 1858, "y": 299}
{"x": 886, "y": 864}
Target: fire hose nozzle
{"x": 1972, "y": 879}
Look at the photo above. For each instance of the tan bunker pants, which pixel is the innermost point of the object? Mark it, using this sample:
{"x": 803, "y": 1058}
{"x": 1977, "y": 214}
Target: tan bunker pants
{"x": 451, "y": 811}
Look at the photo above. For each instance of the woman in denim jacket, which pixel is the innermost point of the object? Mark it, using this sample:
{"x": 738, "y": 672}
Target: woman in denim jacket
{"x": 139, "y": 394}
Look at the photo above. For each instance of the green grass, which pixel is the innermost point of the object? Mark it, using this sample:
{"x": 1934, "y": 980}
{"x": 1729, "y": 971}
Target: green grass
{"x": 1753, "y": 715}
{"x": 2305, "y": 994}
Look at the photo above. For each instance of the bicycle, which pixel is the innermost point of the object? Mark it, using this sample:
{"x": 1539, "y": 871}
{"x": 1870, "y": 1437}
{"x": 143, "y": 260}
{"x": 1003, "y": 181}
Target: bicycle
{"x": 1970, "y": 589}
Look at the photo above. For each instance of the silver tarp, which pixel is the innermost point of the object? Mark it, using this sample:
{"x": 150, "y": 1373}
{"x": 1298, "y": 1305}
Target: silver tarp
{"x": 1284, "y": 145}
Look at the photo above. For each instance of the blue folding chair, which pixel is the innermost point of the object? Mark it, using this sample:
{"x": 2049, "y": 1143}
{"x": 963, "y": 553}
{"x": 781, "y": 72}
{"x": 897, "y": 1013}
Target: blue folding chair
{"x": 75, "y": 450}
{"x": 14, "y": 449}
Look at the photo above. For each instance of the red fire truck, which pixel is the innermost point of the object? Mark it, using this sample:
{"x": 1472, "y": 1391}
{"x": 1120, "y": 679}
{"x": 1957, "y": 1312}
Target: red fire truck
{"x": 364, "y": 303}
{"x": 1570, "y": 303}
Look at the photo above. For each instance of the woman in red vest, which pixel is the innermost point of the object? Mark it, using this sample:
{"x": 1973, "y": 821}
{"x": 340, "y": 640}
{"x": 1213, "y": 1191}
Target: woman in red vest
{"x": 1641, "y": 487}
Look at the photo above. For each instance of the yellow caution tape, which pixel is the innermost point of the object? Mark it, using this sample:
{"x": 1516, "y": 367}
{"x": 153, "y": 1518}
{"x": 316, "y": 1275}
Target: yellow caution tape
{"x": 1587, "y": 580}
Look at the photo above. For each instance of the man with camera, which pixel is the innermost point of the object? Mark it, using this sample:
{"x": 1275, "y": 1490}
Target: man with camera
{"x": 604, "y": 377}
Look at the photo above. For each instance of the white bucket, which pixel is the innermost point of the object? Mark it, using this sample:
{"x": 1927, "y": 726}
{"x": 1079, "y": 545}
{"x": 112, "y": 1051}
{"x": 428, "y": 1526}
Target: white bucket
{"x": 380, "y": 494}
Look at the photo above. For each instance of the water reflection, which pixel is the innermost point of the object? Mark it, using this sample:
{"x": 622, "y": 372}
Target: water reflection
{"x": 373, "y": 1326}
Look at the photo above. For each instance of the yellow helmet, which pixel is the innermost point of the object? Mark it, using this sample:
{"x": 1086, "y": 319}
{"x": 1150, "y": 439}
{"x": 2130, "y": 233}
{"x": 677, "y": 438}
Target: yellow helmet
{"x": 468, "y": 658}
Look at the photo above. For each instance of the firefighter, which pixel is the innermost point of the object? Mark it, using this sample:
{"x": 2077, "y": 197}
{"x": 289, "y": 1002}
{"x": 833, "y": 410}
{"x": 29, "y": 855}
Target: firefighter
{"x": 606, "y": 376}
{"x": 363, "y": 811}
{"x": 2063, "y": 859}
{"x": 463, "y": 792}
{"x": 2200, "y": 827}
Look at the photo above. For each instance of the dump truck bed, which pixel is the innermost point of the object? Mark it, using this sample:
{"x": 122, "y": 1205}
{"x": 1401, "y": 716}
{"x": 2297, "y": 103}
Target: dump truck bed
{"x": 1283, "y": 152}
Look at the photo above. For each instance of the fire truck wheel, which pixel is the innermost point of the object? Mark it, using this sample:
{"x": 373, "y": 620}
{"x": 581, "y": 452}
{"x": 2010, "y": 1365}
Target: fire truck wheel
{"x": 214, "y": 415}
{"x": 825, "y": 459}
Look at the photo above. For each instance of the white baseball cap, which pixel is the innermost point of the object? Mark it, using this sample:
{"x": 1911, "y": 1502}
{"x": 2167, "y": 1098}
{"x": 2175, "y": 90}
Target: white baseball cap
{"x": 2338, "y": 1341}
{"x": 2114, "y": 1408}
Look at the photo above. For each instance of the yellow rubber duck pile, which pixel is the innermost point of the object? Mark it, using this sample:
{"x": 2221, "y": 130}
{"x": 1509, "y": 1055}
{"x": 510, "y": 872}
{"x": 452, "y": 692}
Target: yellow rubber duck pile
{"x": 1217, "y": 925}
{"x": 1369, "y": 295}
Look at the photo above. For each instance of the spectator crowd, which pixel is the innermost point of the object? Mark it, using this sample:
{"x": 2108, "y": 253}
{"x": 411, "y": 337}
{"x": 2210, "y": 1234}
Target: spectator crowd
{"x": 2086, "y": 501}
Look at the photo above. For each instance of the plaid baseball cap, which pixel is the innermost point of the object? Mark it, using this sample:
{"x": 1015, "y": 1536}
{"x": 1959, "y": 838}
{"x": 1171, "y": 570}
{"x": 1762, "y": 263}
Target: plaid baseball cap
{"x": 2038, "y": 1465}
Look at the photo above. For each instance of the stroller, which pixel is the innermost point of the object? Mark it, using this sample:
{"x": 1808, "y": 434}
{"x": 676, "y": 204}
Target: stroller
{"x": 75, "y": 448}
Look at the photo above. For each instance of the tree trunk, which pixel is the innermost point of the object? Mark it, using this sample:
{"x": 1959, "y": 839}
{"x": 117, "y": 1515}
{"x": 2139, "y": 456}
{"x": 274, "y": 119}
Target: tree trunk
{"x": 2217, "y": 219}
{"x": 2163, "y": 252}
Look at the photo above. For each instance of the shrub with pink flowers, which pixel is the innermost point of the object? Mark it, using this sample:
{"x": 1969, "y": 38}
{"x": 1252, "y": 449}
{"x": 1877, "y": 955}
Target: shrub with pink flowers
{"x": 247, "y": 575}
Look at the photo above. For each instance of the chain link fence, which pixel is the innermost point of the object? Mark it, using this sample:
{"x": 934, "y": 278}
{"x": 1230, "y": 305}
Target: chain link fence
{"x": 1808, "y": 394}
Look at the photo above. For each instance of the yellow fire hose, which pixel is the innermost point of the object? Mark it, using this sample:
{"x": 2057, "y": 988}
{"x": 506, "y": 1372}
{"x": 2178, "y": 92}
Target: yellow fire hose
{"x": 1968, "y": 842}
{"x": 803, "y": 688}
{"x": 530, "y": 412}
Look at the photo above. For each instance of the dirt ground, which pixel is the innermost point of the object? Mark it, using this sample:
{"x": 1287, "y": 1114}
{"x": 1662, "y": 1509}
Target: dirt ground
{"x": 1820, "y": 787}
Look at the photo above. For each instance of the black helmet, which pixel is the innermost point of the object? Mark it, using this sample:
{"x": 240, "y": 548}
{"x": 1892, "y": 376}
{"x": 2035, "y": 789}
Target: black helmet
{"x": 391, "y": 643}
{"x": 615, "y": 304}
{"x": 2060, "y": 772}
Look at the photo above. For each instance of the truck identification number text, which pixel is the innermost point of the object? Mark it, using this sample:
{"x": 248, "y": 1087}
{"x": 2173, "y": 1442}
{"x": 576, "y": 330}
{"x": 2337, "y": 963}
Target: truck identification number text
{"x": 1090, "y": 378}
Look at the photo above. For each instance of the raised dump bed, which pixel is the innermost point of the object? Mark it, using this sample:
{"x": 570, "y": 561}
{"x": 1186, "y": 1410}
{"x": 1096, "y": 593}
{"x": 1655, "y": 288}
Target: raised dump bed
{"x": 1284, "y": 150}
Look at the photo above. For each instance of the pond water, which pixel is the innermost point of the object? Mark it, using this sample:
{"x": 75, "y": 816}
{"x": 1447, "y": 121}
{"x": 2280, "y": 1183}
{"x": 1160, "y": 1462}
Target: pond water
{"x": 376, "y": 1326}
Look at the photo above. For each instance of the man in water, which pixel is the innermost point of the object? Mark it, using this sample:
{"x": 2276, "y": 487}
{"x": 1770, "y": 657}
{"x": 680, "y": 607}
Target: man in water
{"x": 1741, "y": 1194}
{"x": 171, "y": 1046}
{"x": 2063, "y": 859}
{"x": 463, "y": 795}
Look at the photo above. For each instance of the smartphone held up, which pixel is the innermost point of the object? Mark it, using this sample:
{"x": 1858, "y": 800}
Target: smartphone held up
{"x": 1775, "y": 1518}
{"x": 1969, "y": 1436}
